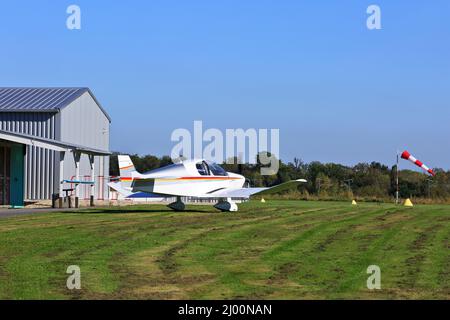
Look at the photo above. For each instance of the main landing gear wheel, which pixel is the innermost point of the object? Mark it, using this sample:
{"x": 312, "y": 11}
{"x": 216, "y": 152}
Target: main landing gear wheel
{"x": 177, "y": 205}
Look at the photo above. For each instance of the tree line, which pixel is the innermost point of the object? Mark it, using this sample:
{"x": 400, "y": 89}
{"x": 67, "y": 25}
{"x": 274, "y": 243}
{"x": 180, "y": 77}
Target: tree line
{"x": 365, "y": 181}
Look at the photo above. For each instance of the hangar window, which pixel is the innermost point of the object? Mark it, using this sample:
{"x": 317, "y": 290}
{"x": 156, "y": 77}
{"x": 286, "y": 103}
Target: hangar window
{"x": 203, "y": 169}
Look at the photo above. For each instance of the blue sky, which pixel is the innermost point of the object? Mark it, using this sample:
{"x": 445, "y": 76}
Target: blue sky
{"x": 337, "y": 91}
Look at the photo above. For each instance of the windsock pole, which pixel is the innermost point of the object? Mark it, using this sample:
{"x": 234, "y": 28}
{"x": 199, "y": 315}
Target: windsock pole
{"x": 397, "y": 192}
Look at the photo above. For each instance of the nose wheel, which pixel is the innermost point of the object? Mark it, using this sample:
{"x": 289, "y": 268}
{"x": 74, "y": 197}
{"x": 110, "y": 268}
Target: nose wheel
{"x": 226, "y": 205}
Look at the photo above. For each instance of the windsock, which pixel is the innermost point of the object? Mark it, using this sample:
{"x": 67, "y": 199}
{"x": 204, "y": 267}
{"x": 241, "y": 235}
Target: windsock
{"x": 407, "y": 156}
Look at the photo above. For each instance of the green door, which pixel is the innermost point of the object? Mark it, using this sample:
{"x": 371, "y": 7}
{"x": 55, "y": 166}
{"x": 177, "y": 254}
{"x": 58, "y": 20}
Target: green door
{"x": 17, "y": 177}
{"x": 5, "y": 159}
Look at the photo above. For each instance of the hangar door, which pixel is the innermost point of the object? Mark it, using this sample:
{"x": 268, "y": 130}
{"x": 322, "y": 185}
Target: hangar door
{"x": 5, "y": 174}
{"x": 11, "y": 174}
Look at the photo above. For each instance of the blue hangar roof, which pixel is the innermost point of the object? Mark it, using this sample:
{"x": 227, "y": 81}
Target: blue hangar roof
{"x": 40, "y": 99}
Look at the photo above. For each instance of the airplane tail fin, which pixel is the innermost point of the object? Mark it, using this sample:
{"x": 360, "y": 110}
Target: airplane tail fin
{"x": 126, "y": 168}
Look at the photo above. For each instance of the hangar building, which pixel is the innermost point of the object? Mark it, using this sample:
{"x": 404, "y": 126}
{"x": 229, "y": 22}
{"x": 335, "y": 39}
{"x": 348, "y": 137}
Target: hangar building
{"x": 50, "y": 138}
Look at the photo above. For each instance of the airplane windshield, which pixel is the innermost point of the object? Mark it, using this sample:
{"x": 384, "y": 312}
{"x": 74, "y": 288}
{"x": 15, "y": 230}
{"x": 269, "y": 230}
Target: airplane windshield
{"x": 202, "y": 168}
{"x": 216, "y": 169}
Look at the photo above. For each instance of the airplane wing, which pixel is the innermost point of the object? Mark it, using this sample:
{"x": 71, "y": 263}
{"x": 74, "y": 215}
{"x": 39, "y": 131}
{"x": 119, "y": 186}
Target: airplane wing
{"x": 223, "y": 193}
{"x": 247, "y": 192}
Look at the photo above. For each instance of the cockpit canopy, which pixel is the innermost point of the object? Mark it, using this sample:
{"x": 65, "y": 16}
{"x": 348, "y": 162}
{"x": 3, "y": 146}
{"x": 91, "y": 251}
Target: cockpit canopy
{"x": 208, "y": 168}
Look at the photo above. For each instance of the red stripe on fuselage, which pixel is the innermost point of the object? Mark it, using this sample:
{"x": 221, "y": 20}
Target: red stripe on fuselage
{"x": 183, "y": 178}
{"x": 127, "y": 167}
{"x": 207, "y": 178}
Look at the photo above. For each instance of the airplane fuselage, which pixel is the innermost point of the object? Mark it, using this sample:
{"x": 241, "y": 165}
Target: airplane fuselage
{"x": 186, "y": 179}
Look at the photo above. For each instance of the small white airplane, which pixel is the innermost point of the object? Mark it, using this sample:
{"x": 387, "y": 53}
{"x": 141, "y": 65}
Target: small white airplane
{"x": 189, "y": 178}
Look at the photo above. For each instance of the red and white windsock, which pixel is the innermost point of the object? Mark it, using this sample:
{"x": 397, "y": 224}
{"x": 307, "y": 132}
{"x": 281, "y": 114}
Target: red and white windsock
{"x": 407, "y": 156}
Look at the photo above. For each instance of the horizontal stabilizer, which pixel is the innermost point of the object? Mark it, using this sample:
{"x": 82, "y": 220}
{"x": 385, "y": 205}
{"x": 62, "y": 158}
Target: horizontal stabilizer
{"x": 117, "y": 186}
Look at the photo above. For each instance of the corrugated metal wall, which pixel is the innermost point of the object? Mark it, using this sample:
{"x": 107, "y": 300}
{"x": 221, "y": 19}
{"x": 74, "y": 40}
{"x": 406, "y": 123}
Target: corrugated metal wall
{"x": 81, "y": 122}
{"x": 39, "y": 163}
{"x": 84, "y": 123}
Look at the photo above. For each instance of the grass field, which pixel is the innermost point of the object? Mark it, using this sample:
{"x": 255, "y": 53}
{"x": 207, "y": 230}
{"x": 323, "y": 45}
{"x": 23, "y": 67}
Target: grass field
{"x": 276, "y": 250}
